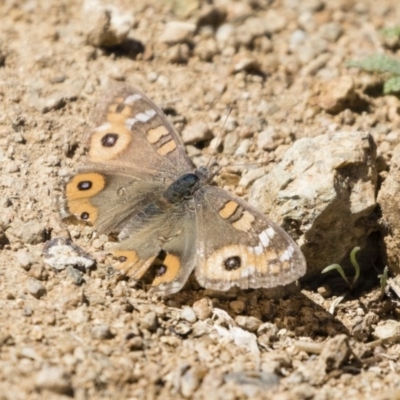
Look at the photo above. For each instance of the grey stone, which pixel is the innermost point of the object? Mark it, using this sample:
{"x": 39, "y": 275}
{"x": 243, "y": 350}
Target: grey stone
{"x": 149, "y": 321}
{"x": 387, "y": 330}
{"x": 36, "y": 288}
{"x": 177, "y": 32}
{"x": 25, "y": 259}
{"x": 389, "y": 201}
{"x": 196, "y": 132}
{"x": 267, "y": 139}
{"x": 75, "y": 275}
{"x": 102, "y": 332}
{"x": 251, "y": 324}
{"x": 188, "y": 314}
{"x": 60, "y": 253}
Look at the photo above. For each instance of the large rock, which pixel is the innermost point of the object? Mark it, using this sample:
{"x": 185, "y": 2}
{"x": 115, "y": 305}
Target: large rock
{"x": 389, "y": 200}
{"x": 323, "y": 194}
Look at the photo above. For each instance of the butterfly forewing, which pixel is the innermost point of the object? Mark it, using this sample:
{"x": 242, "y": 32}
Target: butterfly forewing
{"x": 132, "y": 135}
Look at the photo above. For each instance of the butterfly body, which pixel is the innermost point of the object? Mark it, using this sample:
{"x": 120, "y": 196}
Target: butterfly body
{"x": 138, "y": 182}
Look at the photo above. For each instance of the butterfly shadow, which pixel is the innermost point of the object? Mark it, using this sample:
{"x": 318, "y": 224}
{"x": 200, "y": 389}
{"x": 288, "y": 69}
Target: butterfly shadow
{"x": 286, "y": 307}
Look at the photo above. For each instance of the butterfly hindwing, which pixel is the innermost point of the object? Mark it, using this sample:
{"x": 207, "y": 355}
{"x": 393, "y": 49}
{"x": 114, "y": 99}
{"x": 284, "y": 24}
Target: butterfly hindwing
{"x": 239, "y": 246}
{"x": 164, "y": 240}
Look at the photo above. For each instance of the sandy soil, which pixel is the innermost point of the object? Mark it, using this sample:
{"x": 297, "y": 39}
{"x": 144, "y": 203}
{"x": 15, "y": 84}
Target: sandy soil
{"x": 89, "y": 335}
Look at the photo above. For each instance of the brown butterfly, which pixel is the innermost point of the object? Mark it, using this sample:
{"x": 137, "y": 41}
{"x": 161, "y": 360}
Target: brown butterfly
{"x": 138, "y": 182}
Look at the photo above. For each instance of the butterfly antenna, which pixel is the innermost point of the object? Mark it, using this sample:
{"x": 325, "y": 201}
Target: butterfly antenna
{"x": 219, "y": 137}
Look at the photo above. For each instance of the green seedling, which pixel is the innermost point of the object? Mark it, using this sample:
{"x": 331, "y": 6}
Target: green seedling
{"x": 383, "y": 64}
{"x": 383, "y": 280}
{"x": 339, "y": 269}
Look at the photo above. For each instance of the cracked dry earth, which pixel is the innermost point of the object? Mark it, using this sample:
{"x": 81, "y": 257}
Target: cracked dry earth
{"x": 85, "y": 333}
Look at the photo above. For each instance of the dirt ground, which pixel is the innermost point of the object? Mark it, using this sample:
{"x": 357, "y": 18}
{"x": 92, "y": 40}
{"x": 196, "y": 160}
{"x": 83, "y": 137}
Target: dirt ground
{"x": 89, "y": 335}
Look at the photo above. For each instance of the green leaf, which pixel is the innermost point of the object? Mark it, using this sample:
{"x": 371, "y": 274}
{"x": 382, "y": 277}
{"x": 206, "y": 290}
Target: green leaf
{"x": 392, "y": 85}
{"x": 391, "y": 32}
{"x": 339, "y": 269}
{"x": 377, "y": 63}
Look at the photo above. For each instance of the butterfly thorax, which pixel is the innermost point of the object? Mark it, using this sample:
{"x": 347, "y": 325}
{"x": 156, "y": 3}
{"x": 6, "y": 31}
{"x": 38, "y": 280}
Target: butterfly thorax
{"x": 186, "y": 185}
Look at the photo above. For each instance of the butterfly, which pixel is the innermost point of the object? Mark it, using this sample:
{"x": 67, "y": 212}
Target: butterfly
{"x": 138, "y": 183}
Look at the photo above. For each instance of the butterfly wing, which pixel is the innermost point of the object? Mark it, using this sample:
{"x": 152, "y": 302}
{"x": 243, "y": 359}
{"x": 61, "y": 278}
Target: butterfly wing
{"x": 107, "y": 200}
{"x": 240, "y": 246}
{"x": 166, "y": 239}
{"x": 133, "y": 154}
{"x": 132, "y": 136}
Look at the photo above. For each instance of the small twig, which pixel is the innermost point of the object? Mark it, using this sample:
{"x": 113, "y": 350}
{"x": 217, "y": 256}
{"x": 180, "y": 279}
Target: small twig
{"x": 309, "y": 347}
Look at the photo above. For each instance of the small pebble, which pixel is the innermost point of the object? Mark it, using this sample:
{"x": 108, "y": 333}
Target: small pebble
{"x": 188, "y": 314}
{"x": 325, "y": 291}
{"x": 28, "y": 311}
{"x": 331, "y": 31}
{"x": 135, "y": 343}
{"x": 54, "y": 379}
{"x": 389, "y": 329}
{"x": 106, "y": 25}
{"x": 335, "y": 353}
{"x": 336, "y": 93}
{"x": 36, "y": 288}
{"x": 149, "y": 321}
{"x": 224, "y": 33}
{"x": 243, "y": 147}
{"x": 78, "y": 316}
{"x": 177, "y": 32}
{"x": 196, "y": 132}
{"x": 75, "y": 275}
{"x": 237, "y": 306}
{"x": 178, "y": 54}
{"x": 38, "y": 272}
{"x": 25, "y": 259}
{"x": 251, "y": 324}
{"x": 182, "y": 329}
{"x": 245, "y": 61}
{"x": 230, "y": 142}
{"x": 102, "y": 332}
{"x": 203, "y": 308}
{"x": 267, "y": 139}
{"x": 31, "y": 232}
